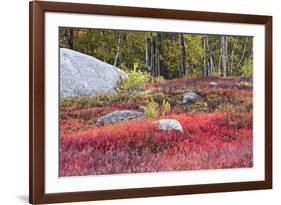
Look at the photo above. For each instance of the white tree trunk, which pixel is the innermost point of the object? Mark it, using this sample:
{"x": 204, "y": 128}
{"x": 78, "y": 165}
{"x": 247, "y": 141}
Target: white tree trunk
{"x": 232, "y": 61}
{"x": 211, "y": 62}
{"x": 117, "y": 49}
{"x": 180, "y": 57}
{"x": 219, "y": 64}
{"x": 146, "y": 51}
{"x": 205, "y": 55}
{"x": 224, "y": 54}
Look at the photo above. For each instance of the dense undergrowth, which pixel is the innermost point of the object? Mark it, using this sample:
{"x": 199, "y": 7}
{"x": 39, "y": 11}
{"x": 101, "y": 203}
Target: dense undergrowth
{"x": 217, "y": 129}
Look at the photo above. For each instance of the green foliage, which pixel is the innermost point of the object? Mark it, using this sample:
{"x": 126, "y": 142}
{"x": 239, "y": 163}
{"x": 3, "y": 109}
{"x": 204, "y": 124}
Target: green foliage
{"x": 216, "y": 73}
{"x": 165, "y": 107}
{"x": 151, "y": 109}
{"x": 247, "y": 68}
{"x": 246, "y": 83}
{"x": 171, "y": 55}
{"x": 134, "y": 82}
{"x": 162, "y": 53}
{"x": 195, "y": 54}
{"x": 159, "y": 97}
{"x": 158, "y": 80}
{"x": 154, "y": 110}
{"x": 73, "y": 103}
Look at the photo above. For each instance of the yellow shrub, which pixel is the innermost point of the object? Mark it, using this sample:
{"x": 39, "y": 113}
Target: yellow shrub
{"x": 151, "y": 109}
{"x": 165, "y": 107}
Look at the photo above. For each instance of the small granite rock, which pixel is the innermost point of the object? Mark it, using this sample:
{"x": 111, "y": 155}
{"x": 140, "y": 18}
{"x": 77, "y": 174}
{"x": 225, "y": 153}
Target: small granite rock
{"x": 189, "y": 97}
{"x": 118, "y": 116}
{"x": 169, "y": 124}
{"x": 213, "y": 84}
{"x": 141, "y": 107}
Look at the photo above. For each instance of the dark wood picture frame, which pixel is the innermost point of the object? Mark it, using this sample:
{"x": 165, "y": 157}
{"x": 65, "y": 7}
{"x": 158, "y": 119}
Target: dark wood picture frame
{"x": 37, "y": 193}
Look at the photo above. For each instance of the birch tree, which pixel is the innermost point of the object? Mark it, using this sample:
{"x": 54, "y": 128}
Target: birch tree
{"x": 117, "y": 48}
{"x": 205, "y": 71}
{"x": 243, "y": 53}
{"x": 224, "y": 54}
{"x": 171, "y": 55}
{"x": 184, "y": 63}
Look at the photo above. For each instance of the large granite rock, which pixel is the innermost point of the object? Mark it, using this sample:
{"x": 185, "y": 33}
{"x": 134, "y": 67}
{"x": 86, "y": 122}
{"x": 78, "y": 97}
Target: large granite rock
{"x": 83, "y": 75}
{"x": 118, "y": 116}
{"x": 169, "y": 124}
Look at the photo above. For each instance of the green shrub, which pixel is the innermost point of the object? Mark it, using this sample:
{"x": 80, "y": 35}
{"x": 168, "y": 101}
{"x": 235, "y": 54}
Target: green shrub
{"x": 159, "y": 97}
{"x": 247, "y": 68}
{"x": 73, "y": 103}
{"x": 246, "y": 83}
{"x": 151, "y": 109}
{"x": 165, "y": 107}
{"x": 158, "y": 80}
{"x": 216, "y": 73}
{"x": 134, "y": 82}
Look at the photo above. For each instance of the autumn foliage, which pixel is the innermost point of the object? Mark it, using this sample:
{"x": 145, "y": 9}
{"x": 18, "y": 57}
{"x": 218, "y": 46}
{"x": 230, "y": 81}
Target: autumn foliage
{"x": 217, "y": 131}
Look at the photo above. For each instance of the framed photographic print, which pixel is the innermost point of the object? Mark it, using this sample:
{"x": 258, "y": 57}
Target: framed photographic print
{"x": 139, "y": 102}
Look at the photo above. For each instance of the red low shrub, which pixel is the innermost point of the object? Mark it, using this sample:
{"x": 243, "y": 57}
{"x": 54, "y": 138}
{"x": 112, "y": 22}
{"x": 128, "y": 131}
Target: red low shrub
{"x": 218, "y": 140}
{"x": 207, "y": 142}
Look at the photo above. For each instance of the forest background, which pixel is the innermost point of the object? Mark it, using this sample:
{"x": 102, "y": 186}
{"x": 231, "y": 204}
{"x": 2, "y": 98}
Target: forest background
{"x": 170, "y": 55}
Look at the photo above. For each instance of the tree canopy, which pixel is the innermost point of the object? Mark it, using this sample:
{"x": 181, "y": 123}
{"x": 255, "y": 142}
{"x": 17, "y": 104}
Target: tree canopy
{"x": 170, "y": 55}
